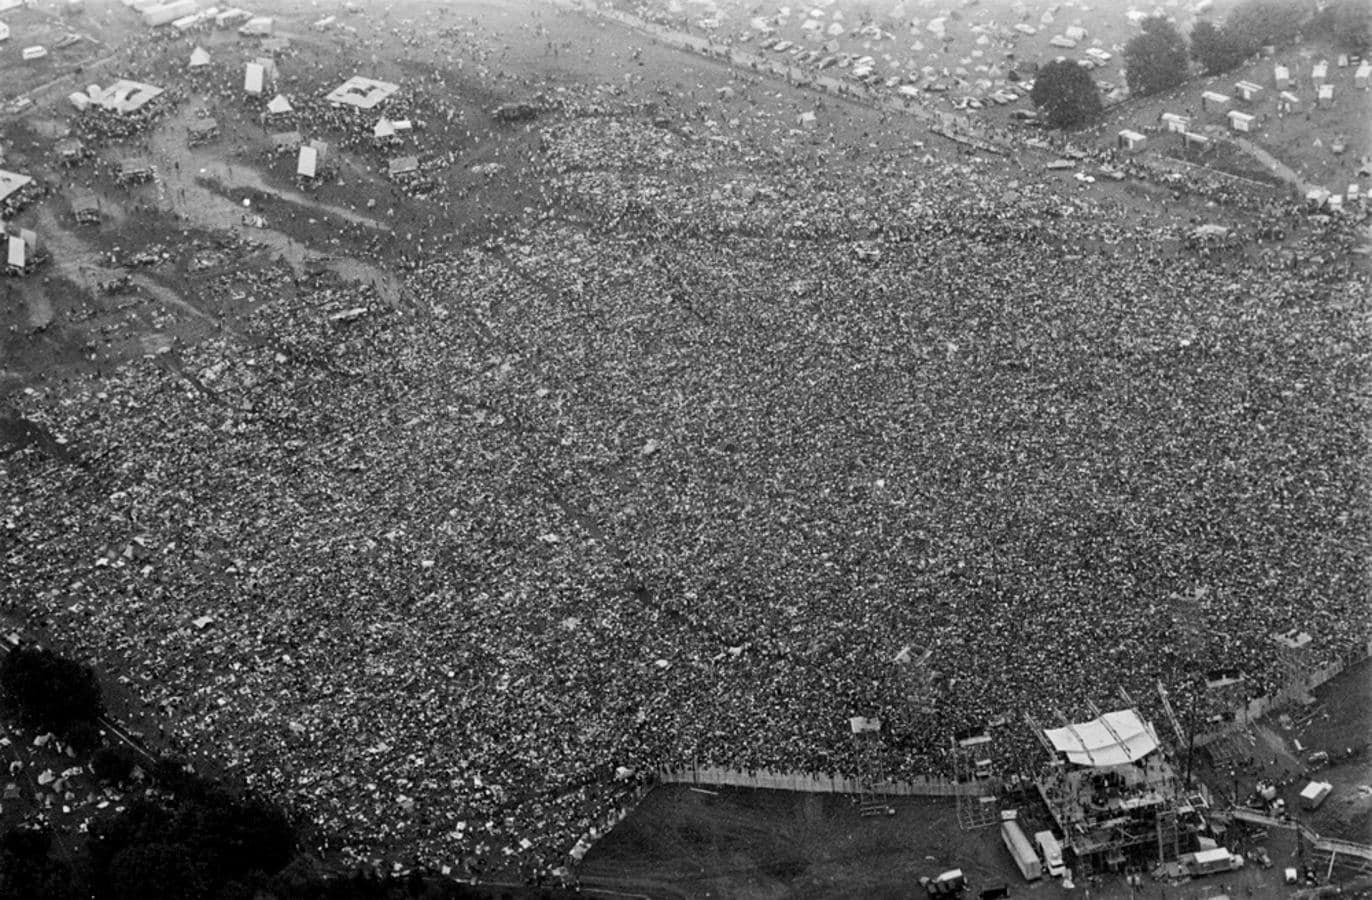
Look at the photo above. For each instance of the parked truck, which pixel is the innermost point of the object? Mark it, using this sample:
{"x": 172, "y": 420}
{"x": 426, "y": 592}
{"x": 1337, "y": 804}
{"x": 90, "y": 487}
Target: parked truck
{"x": 1051, "y": 851}
{"x": 1021, "y": 850}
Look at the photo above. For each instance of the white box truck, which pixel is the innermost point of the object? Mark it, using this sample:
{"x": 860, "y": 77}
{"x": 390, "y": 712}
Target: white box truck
{"x": 1021, "y": 850}
{"x": 1051, "y": 851}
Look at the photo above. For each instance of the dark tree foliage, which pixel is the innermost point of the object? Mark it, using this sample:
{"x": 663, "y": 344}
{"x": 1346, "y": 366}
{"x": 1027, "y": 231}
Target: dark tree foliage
{"x": 113, "y": 764}
{"x": 1066, "y": 94}
{"x": 27, "y": 871}
{"x": 1155, "y": 60}
{"x": 1348, "y": 23}
{"x": 1214, "y": 48}
{"x": 165, "y": 871}
{"x": 236, "y": 836}
{"x": 1256, "y": 23}
{"x": 47, "y": 691}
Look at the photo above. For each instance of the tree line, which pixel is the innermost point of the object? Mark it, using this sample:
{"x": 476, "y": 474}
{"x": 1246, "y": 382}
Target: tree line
{"x": 1158, "y": 58}
{"x": 180, "y": 836}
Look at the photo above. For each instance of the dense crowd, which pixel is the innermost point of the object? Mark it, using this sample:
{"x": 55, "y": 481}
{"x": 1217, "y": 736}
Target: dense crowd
{"x": 678, "y": 479}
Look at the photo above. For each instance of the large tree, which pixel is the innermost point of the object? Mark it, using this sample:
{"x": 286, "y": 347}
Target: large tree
{"x": 1348, "y": 23}
{"x": 1214, "y": 48}
{"x": 1066, "y": 93}
{"x": 1256, "y": 23}
{"x": 1155, "y": 60}
{"x": 48, "y": 691}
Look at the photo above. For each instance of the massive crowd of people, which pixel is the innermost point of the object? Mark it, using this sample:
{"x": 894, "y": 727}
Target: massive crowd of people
{"x": 682, "y": 473}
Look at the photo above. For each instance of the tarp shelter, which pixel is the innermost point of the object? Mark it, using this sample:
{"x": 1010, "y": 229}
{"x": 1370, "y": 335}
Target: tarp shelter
{"x": 1325, "y": 96}
{"x": 124, "y": 96}
{"x": 1240, "y": 121}
{"x": 1315, "y": 793}
{"x": 12, "y": 183}
{"x": 135, "y": 168}
{"x": 864, "y": 725}
{"x": 195, "y": 20}
{"x": 257, "y": 26}
{"x": 253, "y": 78}
{"x": 285, "y": 141}
{"x": 85, "y": 206}
{"x": 1247, "y": 90}
{"x": 1281, "y": 77}
{"x": 1213, "y": 100}
{"x": 1130, "y": 140}
{"x": 364, "y": 93}
{"x": 203, "y": 129}
{"x": 1114, "y": 739}
{"x": 307, "y": 164}
{"x": 1176, "y": 122}
{"x": 279, "y": 106}
{"x": 404, "y": 167}
{"x": 200, "y": 57}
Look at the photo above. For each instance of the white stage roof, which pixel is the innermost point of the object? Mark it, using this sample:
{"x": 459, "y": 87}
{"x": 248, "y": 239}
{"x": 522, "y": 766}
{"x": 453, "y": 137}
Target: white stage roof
{"x": 1115, "y": 739}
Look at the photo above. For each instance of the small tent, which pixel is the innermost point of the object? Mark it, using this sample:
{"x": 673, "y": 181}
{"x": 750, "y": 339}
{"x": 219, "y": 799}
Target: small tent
{"x": 307, "y": 164}
{"x": 384, "y": 130}
{"x": 200, "y": 57}
{"x": 253, "y": 79}
{"x": 279, "y": 106}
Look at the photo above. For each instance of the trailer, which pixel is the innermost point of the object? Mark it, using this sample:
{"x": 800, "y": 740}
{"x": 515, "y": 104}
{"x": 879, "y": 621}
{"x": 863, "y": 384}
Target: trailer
{"x": 1021, "y": 850}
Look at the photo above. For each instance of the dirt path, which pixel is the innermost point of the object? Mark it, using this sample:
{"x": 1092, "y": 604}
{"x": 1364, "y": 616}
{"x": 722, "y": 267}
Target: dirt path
{"x": 1274, "y": 165}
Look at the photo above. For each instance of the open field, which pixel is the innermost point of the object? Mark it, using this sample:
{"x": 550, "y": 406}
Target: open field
{"x": 652, "y": 428}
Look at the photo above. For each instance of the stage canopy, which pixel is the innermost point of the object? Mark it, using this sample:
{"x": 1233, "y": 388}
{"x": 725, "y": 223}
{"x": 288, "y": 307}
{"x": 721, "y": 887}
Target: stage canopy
{"x": 1114, "y": 739}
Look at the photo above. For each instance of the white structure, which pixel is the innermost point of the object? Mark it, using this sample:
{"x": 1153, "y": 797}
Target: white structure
{"x": 35, "y": 52}
{"x": 1192, "y": 139}
{"x": 279, "y": 106}
{"x": 4, "y": 32}
{"x": 1115, "y": 739}
{"x": 1247, "y": 90}
{"x": 166, "y": 13}
{"x": 1240, "y": 121}
{"x": 1281, "y": 76}
{"x": 1316, "y": 791}
{"x": 1320, "y": 72}
{"x": 200, "y": 57}
{"x": 1075, "y": 33}
{"x": 1059, "y": 40}
{"x": 1325, "y": 96}
{"x": 364, "y": 93}
{"x": 1354, "y": 192}
{"x": 1363, "y": 75}
{"x": 123, "y": 96}
{"x": 1212, "y": 100}
{"x": 1130, "y": 140}
{"x": 1175, "y": 122}
{"x": 253, "y": 79}
{"x": 12, "y": 182}
{"x": 257, "y": 26}
{"x": 307, "y": 164}
{"x": 1287, "y": 102}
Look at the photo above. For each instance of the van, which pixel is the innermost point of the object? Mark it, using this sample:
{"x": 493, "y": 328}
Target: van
{"x": 1051, "y": 851}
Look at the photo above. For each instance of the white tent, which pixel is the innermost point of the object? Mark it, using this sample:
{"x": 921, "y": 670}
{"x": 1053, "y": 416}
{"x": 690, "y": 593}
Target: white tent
{"x": 253, "y": 78}
{"x": 10, "y": 182}
{"x": 1114, "y": 739}
{"x": 307, "y": 165}
{"x": 199, "y": 57}
{"x": 383, "y": 129}
{"x": 279, "y": 106}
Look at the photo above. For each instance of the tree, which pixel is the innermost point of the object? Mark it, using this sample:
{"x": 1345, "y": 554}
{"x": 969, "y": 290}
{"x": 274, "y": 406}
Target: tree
{"x": 48, "y": 691}
{"x": 113, "y": 764}
{"x": 1066, "y": 93}
{"x": 1214, "y": 48}
{"x": 1155, "y": 60}
{"x": 166, "y": 871}
{"x": 1256, "y": 23}
{"x": 1348, "y": 23}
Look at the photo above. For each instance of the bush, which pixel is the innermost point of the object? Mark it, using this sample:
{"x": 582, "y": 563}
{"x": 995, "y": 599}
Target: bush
{"x": 46, "y": 691}
{"x": 1066, "y": 94}
{"x": 1155, "y": 61}
{"x": 113, "y": 764}
{"x": 1348, "y": 23}
{"x": 164, "y": 871}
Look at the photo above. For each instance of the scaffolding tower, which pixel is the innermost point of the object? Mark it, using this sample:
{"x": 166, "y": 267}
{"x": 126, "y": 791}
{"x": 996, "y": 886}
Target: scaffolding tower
{"x": 873, "y": 799}
{"x": 976, "y": 796}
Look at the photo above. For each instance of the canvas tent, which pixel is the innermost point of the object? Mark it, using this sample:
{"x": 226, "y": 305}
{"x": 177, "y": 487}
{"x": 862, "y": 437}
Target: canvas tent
{"x": 85, "y": 206}
{"x": 124, "y": 96}
{"x": 384, "y": 130}
{"x": 12, "y": 183}
{"x": 364, "y": 93}
{"x": 253, "y": 78}
{"x": 4, "y": 32}
{"x": 134, "y": 169}
{"x": 279, "y": 106}
{"x": 70, "y": 149}
{"x": 200, "y": 57}
{"x": 1113, "y": 739}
